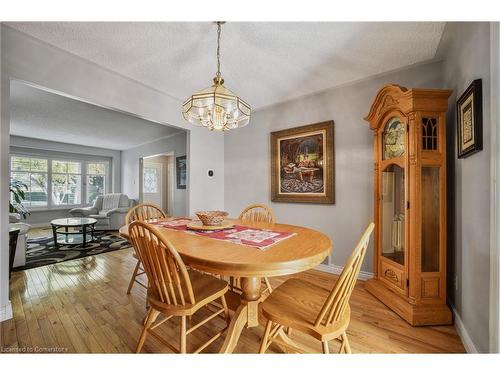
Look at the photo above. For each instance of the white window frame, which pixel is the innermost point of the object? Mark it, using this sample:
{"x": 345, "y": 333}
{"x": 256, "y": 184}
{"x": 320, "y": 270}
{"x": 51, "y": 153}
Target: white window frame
{"x": 29, "y": 172}
{"x": 67, "y": 174}
{"x": 82, "y": 159}
{"x": 86, "y": 174}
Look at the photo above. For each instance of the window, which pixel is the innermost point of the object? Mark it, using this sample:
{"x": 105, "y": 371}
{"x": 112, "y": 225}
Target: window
{"x": 429, "y": 133}
{"x": 33, "y": 173}
{"x": 96, "y": 180}
{"x": 54, "y": 182}
{"x": 150, "y": 180}
{"x": 66, "y": 183}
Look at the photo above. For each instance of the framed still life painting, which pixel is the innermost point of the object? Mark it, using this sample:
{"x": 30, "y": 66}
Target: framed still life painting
{"x": 470, "y": 120}
{"x": 302, "y": 164}
{"x": 181, "y": 171}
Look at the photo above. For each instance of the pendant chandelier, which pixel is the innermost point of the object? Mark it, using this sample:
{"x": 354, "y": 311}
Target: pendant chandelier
{"x": 216, "y": 107}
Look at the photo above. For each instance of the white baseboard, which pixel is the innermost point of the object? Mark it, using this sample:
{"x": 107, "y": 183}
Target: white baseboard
{"x": 6, "y": 312}
{"x": 462, "y": 332}
{"x": 336, "y": 270}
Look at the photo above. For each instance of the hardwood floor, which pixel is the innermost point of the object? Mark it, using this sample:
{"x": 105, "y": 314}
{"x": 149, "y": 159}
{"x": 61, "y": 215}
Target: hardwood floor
{"x": 81, "y": 306}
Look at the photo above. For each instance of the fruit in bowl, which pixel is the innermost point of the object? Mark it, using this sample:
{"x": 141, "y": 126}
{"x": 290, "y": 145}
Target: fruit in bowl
{"x": 211, "y": 217}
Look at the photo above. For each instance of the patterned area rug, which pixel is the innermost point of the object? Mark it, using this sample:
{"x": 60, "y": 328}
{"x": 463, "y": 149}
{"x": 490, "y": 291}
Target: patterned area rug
{"x": 295, "y": 185}
{"x": 41, "y": 250}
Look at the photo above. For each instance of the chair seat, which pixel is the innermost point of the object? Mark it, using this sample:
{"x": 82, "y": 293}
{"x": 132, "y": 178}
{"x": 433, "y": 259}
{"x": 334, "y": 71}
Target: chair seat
{"x": 206, "y": 288}
{"x": 296, "y": 303}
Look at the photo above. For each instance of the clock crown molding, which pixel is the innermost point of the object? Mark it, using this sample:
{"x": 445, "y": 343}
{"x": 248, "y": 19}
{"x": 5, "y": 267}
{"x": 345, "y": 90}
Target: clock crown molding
{"x": 386, "y": 99}
{"x": 392, "y": 96}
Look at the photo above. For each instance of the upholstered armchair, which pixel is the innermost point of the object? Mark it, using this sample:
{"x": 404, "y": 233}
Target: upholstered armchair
{"x": 109, "y": 210}
{"x": 14, "y": 218}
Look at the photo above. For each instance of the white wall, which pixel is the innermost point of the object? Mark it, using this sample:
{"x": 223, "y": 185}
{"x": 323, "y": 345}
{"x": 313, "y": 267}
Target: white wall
{"x": 177, "y": 144}
{"x": 41, "y": 147}
{"x": 247, "y": 158}
{"x": 27, "y": 59}
{"x": 5, "y": 306}
{"x": 466, "y": 51}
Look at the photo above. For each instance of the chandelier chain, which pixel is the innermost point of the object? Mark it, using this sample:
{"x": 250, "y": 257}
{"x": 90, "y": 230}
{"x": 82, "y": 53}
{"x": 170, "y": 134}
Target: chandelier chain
{"x": 218, "y": 48}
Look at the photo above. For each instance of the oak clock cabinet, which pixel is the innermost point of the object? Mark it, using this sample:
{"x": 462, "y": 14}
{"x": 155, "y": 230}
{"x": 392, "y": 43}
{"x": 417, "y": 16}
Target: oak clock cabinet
{"x": 409, "y": 126}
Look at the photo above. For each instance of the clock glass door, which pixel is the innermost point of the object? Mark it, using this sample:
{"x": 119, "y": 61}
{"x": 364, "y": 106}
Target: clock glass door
{"x": 393, "y": 213}
{"x": 393, "y": 205}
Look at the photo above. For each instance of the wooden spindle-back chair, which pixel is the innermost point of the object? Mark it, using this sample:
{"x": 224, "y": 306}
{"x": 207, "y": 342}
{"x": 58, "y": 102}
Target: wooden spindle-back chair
{"x": 295, "y": 304}
{"x": 142, "y": 212}
{"x": 255, "y": 213}
{"x": 174, "y": 290}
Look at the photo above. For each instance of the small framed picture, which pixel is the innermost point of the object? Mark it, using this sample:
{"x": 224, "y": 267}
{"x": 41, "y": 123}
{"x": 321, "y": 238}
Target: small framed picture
{"x": 470, "y": 120}
{"x": 181, "y": 171}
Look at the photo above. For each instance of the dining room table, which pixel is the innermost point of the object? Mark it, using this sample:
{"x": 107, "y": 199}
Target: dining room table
{"x": 304, "y": 249}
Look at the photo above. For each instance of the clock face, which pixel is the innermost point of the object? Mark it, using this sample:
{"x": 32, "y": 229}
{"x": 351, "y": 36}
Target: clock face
{"x": 394, "y": 139}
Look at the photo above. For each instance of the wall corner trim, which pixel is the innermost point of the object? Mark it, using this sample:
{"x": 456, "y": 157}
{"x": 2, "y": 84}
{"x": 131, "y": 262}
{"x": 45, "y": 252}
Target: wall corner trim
{"x": 6, "y": 312}
{"x": 495, "y": 190}
{"x": 336, "y": 270}
{"x": 469, "y": 345}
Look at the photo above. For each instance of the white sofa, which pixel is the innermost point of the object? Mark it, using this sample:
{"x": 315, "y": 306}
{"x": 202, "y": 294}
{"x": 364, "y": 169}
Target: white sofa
{"x": 109, "y": 210}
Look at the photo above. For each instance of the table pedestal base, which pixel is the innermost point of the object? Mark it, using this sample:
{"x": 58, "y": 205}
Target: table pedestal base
{"x": 246, "y": 315}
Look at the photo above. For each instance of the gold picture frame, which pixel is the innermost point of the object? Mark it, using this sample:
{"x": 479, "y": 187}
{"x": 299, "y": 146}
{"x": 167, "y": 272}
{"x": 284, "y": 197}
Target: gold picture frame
{"x": 302, "y": 164}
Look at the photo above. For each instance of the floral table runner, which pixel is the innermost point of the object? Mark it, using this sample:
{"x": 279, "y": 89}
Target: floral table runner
{"x": 239, "y": 234}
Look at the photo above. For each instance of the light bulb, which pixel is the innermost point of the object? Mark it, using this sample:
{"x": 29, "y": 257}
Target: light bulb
{"x": 218, "y": 118}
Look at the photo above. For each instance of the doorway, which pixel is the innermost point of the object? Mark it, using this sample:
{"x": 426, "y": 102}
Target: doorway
{"x": 156, "y": 176}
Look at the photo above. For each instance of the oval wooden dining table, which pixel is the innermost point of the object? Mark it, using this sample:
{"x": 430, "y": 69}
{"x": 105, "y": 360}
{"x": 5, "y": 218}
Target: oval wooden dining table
{"x": 303, "y": 251}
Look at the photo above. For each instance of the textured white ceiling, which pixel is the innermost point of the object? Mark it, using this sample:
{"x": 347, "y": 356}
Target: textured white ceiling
{"x": 43, "y": 115}
{"x": 263, "y": 62}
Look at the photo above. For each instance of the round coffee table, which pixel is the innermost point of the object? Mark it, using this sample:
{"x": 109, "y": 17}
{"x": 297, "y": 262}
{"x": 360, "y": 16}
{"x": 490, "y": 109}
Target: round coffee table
{"x": 83, "y": 226}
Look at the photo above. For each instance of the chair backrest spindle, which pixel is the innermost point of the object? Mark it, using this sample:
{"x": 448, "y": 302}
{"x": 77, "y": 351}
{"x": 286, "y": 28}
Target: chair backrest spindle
{"x": 144, "y": 212}
{"x": 167, "y": 274}
{"x": 257, "y": 213}
{"x": 338, "y": 300}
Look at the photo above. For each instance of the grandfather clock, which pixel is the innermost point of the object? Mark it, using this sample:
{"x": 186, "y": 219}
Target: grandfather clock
{"x": 409, "y": 126}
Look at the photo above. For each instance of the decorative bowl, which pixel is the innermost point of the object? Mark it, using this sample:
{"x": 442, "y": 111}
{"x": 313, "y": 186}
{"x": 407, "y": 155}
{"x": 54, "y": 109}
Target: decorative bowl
{"x": 211, "y": 217}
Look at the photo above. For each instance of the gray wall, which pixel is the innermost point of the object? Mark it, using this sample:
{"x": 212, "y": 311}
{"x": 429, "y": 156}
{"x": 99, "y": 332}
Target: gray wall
{"x": 20, "y": 144}
{"x": 28, "y": 59}
{"x": 247, "y": 158}
{"x": 130, "y": 167}
{"x": 466, "y": 51}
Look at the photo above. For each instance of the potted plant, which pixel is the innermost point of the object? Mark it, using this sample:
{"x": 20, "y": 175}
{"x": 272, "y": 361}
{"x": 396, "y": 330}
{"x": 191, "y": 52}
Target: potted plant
{"x": 17, "y": 193}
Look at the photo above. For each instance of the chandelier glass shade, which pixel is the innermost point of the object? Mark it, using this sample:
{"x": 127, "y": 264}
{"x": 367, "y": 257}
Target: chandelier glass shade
{"x": 216, "y": 107}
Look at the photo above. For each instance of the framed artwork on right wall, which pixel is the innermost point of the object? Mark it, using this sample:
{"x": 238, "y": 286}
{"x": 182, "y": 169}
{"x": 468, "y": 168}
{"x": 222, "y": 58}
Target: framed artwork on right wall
{"x": 470, "y": 120}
